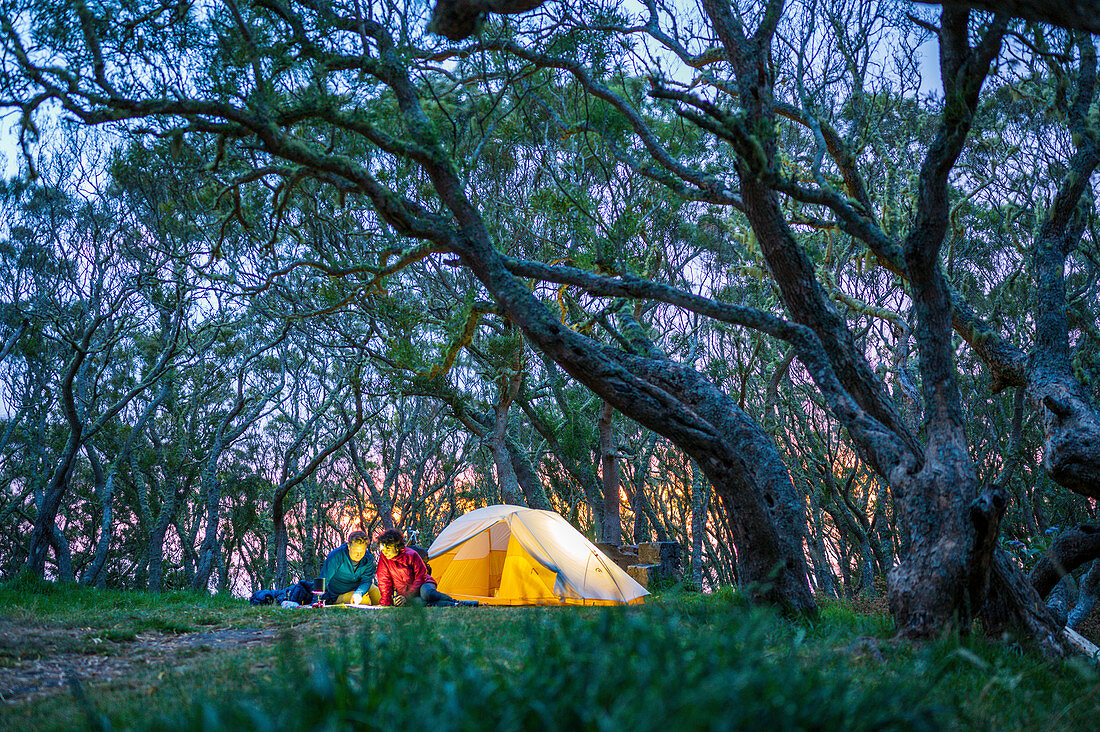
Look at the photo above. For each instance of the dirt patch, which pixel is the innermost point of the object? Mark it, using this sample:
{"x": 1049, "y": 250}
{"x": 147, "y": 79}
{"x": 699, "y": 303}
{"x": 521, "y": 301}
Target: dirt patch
{"x": 37, "y": 662}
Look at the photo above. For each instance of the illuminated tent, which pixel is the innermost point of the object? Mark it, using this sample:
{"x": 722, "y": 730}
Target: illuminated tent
{"x": 508, "y": 555}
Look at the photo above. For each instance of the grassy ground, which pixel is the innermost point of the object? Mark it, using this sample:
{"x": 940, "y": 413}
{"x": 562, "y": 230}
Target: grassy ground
{"x": 80, "y": 658}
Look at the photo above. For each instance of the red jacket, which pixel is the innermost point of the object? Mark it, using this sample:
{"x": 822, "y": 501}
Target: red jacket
{"x": 403, "y": 574}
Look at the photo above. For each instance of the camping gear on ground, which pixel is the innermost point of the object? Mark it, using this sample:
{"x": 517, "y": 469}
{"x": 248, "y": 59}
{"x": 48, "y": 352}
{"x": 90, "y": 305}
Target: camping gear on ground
{"x": 509, "y": 555}
{"x": 318, "y": 592}
{"x": 299, "y": 593}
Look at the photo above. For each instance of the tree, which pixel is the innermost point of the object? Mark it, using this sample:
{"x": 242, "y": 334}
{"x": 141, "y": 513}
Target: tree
{"x": 324, "y": 442}
{"x": 761, "y": 142}
{"x": 940, "y": 503}
{"x": 85, "y": 291}
{"x": 738, "y": 457}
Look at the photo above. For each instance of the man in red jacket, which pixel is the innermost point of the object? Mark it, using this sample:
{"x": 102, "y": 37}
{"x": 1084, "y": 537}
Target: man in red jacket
{"x": 402, "y": 575}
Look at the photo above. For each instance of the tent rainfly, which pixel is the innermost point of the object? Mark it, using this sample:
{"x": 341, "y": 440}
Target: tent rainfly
{"x": 508, "y": 555}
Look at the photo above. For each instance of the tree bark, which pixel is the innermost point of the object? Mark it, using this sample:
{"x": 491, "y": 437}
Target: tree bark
{"x": 1071, "y": 549}
{"x": 1086, "y": 596}
{"x": 46, "y": 516}
{"x": 206, "y": 560}
{"x": 611, "y": 532}
{"x": 1073, "y": 14}
{"x": 459, "y": 19}
{"x": 700, "y": 501}
{"x": 534, "y": 493}
{"x": 508, "y": 488}
{"x": 104, "y": 488}
{"x": 639, "y": 504}
{"x": 1014, "y": 607}
{"x": 154, "y": 552}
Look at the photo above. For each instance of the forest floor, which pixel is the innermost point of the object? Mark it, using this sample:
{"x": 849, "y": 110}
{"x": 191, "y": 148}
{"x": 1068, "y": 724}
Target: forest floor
{"x": 74, "y": 657}
{"x": 41, "y": 661}
{"x": 136, "y": 643}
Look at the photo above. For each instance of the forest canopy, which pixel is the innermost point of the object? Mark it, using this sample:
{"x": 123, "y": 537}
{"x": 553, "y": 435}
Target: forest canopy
{"x": 809, "y": 286}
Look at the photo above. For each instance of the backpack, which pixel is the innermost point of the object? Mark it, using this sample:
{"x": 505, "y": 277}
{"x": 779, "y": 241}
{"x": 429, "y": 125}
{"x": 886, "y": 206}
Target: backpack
{"x": 301, "y": 593}
{"x": 263, "y": 597}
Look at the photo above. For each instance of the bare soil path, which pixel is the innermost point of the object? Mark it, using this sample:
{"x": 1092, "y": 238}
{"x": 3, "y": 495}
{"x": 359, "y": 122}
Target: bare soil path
{"x": 40, "y": 661}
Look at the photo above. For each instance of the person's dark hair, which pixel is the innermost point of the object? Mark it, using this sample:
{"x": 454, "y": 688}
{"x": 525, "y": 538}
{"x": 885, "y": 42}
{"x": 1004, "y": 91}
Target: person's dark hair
{"x": 391, "y": 536}
{"x": 358, "y": 537}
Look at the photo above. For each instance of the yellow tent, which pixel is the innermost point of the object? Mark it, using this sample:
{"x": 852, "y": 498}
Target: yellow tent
{"x": 508, "y": 555}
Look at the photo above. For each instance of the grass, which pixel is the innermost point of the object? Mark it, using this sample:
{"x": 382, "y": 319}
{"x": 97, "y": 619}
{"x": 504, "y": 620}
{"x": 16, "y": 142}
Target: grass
{"x": 684, "y": 661}
{"x": 30, "y": 600}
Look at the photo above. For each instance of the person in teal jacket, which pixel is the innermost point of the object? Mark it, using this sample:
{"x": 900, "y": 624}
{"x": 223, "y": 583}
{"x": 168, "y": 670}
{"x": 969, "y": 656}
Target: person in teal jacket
{"x": 349, "y": 573}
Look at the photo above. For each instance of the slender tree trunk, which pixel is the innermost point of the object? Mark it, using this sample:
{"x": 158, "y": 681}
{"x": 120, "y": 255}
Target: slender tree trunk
{"x": 382, "y": 502}
{"x": 64, "y": 555}
{"x": 105, "y": 491}
{"x": 866, "y": 569}
{"x": 46, "y": 516}
{"x": 534, "y": 493}
{"x": 310, "y": 556}
{"x": 207, "y": 553}
{"x": 154, "y": 552}
{"x": 609, "y": 471}
{"x": 826, "y": 584}
{"x": 700, "y": 501}
{"x": 188, "y": 557}
{"x": 280, "y": 540}
{"x": 639, "y": 506}
{"x": 507, "y": 482}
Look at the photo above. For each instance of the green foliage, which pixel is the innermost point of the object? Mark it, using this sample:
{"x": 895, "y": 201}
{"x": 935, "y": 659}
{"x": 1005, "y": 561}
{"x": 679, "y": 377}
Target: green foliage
{"x": 125, "y": 613}
{"x": 685, "y": 660}
{"x": 702, "y": 666}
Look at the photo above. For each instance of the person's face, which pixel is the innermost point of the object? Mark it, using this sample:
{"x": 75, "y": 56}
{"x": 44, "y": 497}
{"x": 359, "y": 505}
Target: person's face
{"x": 357, "y": 551}
{"x": 390, "y": 551}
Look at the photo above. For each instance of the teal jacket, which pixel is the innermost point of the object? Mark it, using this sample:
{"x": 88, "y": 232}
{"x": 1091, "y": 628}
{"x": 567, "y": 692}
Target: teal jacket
{"x": 343, "y": 575}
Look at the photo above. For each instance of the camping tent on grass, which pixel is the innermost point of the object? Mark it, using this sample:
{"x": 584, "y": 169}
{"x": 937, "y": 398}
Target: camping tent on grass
{"x": 508, "y": 555}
